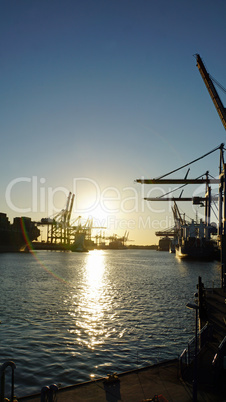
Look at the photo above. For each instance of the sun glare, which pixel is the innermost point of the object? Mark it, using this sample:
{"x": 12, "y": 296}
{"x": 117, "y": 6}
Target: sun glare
{"x": 100, "y": 217}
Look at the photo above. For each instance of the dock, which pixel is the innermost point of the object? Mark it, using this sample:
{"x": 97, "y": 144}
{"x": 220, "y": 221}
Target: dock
{"x": 166, "y": 380}
{"x": 133, "y": 386}
{"x": 142, "y": 385}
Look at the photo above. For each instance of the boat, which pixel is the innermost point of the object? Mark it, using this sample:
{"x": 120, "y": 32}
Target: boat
{"x": 116, "y": 245}
{"x": 172, "y": 249}
{"x": 194, "y": 249}
{"x": 194, "y": 242}
{"x": 17, "y": 236}
{"x": 164, "y": 244}
{"x": 79, "y": 244}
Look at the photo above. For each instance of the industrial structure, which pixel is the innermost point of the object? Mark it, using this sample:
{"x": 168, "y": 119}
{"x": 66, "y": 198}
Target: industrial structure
{"x": 182, "y": 230}
{"x": 76, "y": 235}
{"x": 194, "y": 239}
{"x": 62, "y": 232}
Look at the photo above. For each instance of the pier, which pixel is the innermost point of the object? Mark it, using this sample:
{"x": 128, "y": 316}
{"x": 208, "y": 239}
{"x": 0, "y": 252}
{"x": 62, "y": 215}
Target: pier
{"x": 211, "y": 351}
{"x": 137, "y": 385}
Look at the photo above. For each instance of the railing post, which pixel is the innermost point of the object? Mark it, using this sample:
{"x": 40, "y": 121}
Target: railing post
{"x": 45, "y": 394}
{"x": 53, "y": 391}
{"x": 48, "y": 393}
{"x": 2, "y": 380}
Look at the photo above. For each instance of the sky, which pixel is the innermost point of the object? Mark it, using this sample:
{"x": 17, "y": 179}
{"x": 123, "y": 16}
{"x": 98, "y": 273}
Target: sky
{"x": 97, "y": 94}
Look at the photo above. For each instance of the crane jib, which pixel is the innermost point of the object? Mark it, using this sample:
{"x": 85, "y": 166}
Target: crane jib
{"x": 212, "y": 90}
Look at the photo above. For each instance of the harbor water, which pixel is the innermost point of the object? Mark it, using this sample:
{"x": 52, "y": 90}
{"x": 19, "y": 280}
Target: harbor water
{"x": 71, "y": 317}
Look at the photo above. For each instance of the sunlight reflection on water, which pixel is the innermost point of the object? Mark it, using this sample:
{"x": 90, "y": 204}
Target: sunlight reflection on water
{"x": 69, "y": 316}
{"x": 92, "y": 302}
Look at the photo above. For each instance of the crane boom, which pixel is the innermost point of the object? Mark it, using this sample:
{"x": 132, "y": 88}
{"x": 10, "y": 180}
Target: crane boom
{"x": 212, "y": 90}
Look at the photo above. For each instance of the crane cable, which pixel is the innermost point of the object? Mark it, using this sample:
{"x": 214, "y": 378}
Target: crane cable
{"x": 210, "y": 76}
{"x": 187, "y": 164}
{"x": 217, "y": 83}
{"x": 178, "y": 188}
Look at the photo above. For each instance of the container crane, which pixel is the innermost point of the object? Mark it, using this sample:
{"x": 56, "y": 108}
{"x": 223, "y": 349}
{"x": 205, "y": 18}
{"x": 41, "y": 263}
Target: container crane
{"x": 208, "y": 80}
{"x": 59, "y": 229}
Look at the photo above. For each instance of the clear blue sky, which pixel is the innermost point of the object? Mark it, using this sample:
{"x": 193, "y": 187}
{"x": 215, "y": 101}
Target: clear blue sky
{"x": 95, "y": 94}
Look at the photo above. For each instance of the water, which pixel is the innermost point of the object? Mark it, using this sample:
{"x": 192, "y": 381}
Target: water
{"x": 72, "y": 317}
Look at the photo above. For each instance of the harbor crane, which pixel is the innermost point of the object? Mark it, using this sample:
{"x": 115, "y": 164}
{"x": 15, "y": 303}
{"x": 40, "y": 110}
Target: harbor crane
{"x": 205, "y": 227}
{"x": 62, "y": 232}
{"x": 59, "y": 228}
{"x": 209, "y": 82}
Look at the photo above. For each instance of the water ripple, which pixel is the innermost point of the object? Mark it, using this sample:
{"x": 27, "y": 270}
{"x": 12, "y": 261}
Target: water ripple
{"x": 70, "y": 317}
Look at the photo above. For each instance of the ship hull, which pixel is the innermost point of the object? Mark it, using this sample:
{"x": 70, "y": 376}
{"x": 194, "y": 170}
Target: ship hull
{"x": 78, "y": 245}
{"x": 203, "y": 252}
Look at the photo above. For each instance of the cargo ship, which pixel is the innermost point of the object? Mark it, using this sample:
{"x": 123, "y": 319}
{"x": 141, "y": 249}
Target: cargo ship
{"x": 164, "y": 244}
{"x": 194, "y": 242}
{"x": 17, "y": 236}
{"x": 79, "y": 243}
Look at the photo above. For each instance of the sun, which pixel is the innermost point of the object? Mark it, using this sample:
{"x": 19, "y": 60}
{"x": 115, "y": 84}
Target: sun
{"x": 99, "y": 217}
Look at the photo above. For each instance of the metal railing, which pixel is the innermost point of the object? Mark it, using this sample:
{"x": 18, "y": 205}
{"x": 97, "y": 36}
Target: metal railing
{"x": 2, "y": 380}
{"x": 188, "y": 355}
{"x": 218, "y": 360}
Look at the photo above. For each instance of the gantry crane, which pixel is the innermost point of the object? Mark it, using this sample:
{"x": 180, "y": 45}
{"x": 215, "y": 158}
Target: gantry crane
{"x": 59, "y": 229}
{"x": 221, "y": 181}
{"x": 63, "y": 232}
{"x": 208, "y": 80}
{"x": 178, "y": 222}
